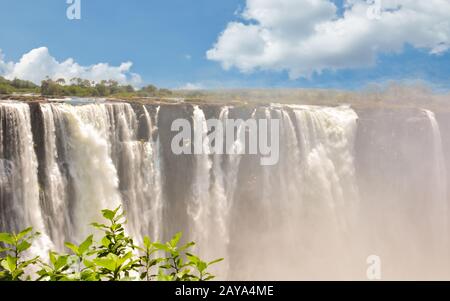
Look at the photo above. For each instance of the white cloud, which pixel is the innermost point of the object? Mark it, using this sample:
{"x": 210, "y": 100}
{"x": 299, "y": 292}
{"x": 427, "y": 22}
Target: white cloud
{"x": 192, "y": 86}
{"x": 308, "y": 36}
{"x": 37, "y": 64}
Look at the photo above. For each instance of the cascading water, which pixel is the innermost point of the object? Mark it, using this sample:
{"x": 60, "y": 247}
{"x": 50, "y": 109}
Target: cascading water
{"x": 54, "y": 196}
{"x": 153, "y": 187}
{"x": 327, "y": 137}
{"x": 328, "y": 172}
{"x": 199, "y": 208}
{"x": 439, "y": 218}
{"x": 339, "y": 193}
{"x": 91, "y": 171}
{"x": 19, "y": 192}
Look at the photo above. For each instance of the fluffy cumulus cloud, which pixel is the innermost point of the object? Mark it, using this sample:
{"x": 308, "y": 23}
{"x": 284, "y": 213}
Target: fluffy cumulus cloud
{"x": 37, "y": 64}
{"x": 309, "y": 36}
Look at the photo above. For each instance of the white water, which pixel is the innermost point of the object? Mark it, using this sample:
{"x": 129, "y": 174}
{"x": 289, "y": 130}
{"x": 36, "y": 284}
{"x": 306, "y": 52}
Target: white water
{"x": 93, "y": 174}
{"x": 154, "y": 186}
{"x": 326, "y": 145}
{"x": 439, "y": 197}
{"x": 23, "y": 181}
{"x": 199, "y": 207}
{"x": 55, "y": 190}
{"x": 299, "y": 219}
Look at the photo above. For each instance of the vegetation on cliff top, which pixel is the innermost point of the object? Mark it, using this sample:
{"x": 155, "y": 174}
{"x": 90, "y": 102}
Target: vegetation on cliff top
{"x": 80, "y": 87}
{"x": 392, "y": 95}
{"x": 17, "y": 86}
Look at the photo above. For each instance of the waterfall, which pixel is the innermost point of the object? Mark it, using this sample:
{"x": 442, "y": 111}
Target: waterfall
{"x": 19, "y": 192}
{"x": 199, "y": 208}
{"x": 224, "y": 184}
{"x": 349, "y": 183}
{"x": 290, "y": 163}
{"x": 91, "y": 160}
{"x": 153, "y": 188}
{"x": 55, "y": 184}
{"x": 91, "y": 169}
{"x": 439, "y": 216}
{"x": 326, "y": 143}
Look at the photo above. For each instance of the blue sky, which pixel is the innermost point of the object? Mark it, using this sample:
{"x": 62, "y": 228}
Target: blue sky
{"x": 167, "y": 42}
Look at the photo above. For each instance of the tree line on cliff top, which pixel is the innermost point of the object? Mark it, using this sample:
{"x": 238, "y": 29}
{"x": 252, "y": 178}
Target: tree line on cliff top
{"x": 79, "y": 87}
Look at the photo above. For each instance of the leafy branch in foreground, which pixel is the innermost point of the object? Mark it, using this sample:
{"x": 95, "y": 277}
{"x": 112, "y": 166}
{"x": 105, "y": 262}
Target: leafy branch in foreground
{"x": 12, "y": 263}
{"x": 115, "y": 257}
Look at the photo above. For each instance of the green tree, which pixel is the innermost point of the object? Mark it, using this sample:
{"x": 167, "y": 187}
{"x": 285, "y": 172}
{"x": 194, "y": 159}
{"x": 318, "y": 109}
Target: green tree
{"x": 150, "y": 89}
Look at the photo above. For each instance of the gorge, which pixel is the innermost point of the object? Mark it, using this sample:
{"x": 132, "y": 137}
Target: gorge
{"x": 350, "y": 182}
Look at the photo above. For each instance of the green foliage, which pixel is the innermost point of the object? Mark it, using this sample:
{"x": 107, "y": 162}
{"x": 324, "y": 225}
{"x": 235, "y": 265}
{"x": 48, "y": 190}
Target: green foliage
{"x": 56, "y": 269}
{"x": 201, "y": 267}
{"x": 79, "y": 87}
{"x": 16, "y": 85}
{"x": 84, "y": 88}
{"x": 115, "y": 257}
{"x": 6, "y": 89}
{"x": 153, "y": 91}
{"x": 13, "y": 264}
{"x": 178, "y": 264}
{"x": 148, "y": 260}
{"x": 22, "y": 84}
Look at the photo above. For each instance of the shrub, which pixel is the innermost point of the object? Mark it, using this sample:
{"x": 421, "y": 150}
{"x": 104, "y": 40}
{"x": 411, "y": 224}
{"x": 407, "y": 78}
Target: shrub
{"x": 115, "y": 257}
{"x": 13, "y": 265}
{"x": 6, "y": 89}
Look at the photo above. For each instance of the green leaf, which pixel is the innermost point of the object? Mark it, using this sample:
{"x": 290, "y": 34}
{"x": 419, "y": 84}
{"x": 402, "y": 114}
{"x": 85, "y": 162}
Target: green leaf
{"x": 109, "y": 214}
{"x": 201, "y": 266}
{"x": 166, "y": 266}
{"x": 88, "y": 275}
{"x": 143, "y": 275}
{"x": 24, "y": 233}
{"x": 187, "y": 246}
{"x": 11, "y": 263}
{"x": 122, "y": 260}
{"x": 108, "y": 262}
{"x": 7, "y": 238}
{"x": 61, "y": 262}
{"x": 215, "y": 261}
{"x": 99, "y": 226}
{"x": 117, "y": 217}
{"x": 161, "y": 247}
{"x": 106, "y": 242}
{"x": 88, "y": 264}
{"x": 17, "y": 273}
{"x": 72, "y": 247}
{"x": 116, "y": 227}
{"x": 85, "y": 245}
{"x": 174, "y": 241}
{"x": 52, "y": 257}
{"x": 194, "y": 259}
{"x": 147, "y": 242}
{"x": 23, "y": 246}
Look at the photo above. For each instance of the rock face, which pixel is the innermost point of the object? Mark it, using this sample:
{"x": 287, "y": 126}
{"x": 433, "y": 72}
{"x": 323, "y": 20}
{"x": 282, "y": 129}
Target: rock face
{"x": 349, "y": 183}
